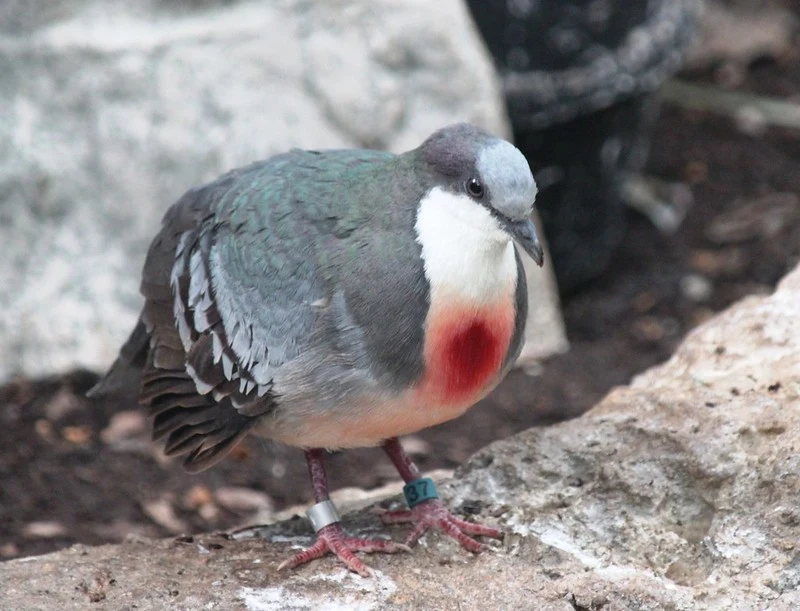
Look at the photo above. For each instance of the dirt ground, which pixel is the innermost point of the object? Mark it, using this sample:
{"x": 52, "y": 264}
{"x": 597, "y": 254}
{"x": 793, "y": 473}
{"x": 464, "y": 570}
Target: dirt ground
{"x": 76, "y": 471}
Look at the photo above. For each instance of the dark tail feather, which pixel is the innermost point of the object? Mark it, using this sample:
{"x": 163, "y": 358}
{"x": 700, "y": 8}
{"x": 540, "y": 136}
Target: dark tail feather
{"x": 124, "y": 377}
{"x": 215, "y": 448}
{"x": 205, "y": 432}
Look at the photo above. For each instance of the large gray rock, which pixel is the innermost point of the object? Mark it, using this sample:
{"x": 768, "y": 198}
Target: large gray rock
{"x": 112, "y": 109}
{"x": 678, "y": 492}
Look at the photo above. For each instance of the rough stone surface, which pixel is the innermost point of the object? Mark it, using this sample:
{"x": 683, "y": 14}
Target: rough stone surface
{"x": 112, "y": 109}
{"x": 678, "y": 492}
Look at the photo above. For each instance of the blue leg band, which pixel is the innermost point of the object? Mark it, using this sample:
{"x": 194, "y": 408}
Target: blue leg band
{"x": 419, "y": 490}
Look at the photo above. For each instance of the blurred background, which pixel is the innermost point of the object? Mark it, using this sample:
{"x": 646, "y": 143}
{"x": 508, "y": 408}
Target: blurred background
{"x": 664, "y": 136}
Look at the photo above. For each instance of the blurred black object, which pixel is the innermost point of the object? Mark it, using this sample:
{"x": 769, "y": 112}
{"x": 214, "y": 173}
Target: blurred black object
{"x": 579, "y": 78}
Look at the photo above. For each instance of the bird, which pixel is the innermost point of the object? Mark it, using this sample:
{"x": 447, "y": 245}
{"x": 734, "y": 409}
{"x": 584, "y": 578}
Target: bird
{"x": 336, "y": 299}
{"x": 580, "y": 79}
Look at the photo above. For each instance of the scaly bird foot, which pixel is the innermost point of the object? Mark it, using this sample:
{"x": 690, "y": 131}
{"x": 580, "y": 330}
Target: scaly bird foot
{"x": 432, "y": 514}
{"x": 331, "y": 539}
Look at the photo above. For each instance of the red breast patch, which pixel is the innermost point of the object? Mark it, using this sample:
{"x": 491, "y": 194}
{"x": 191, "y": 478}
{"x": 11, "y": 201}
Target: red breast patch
{"x": 464, "y": 350}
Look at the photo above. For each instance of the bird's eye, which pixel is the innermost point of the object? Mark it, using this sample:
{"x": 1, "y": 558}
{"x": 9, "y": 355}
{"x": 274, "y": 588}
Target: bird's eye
{"x": 475, "y": 188}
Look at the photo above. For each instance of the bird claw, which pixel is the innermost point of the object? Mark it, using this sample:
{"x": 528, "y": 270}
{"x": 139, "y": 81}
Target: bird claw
{"x": 331, "y": 539}
{"x": 432, "y": 514}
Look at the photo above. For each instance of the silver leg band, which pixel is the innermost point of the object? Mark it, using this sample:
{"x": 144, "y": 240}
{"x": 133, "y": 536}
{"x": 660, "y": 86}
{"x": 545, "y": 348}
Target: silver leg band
{"x": 322, "y": 514}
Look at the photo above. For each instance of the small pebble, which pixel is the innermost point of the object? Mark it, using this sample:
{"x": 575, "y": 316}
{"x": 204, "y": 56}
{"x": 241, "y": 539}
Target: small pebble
{"x": 163, "y": 514}
{"x": 209, "y": 512}
{"x": 648, "y": 328}
{"x": 77, "y": 434}
{"x": 751, "y": 121}
{"x": 278, "y": 469}
{"x": 44, "y": 530}
{"x": 197, "y": 496}
{"x": 416, "y": 446}
{"x": 124, "y": 425}
{"x": 697, "y": 288}
{"x": 696, "y": 172}
{"x": 8, "y": 550}
{"x": 61, "y": 404}
{"x": 240, "y": 499}
{"x": 44, "y": 429}
{"x": 644, "y": 302}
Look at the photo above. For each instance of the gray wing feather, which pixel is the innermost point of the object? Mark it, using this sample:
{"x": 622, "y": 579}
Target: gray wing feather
{"x": 230, "y": 284}
{"x": 227, "y": 303}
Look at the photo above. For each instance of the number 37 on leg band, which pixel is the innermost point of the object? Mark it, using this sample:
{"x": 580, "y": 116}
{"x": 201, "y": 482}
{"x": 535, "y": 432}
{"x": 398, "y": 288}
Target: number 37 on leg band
{"x": 419, "y": 490}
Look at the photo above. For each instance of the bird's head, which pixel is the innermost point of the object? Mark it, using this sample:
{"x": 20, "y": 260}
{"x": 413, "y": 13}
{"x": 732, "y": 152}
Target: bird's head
{"x": 479, "y": 169}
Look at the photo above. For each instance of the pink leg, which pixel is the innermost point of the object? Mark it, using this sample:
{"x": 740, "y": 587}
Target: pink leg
{"x": 331, "y": 538}
{"x": 431, "y": 513}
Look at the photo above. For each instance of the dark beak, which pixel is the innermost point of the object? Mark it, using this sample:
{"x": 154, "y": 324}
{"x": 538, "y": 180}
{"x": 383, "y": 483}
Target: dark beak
{"x": 524, "y": 234}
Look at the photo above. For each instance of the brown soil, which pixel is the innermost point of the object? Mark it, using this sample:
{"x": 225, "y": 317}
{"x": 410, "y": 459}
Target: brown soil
{"x": 77, "y": 471}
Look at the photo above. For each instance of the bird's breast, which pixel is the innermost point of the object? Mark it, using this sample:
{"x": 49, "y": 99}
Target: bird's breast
{"x": 465, "y": 349}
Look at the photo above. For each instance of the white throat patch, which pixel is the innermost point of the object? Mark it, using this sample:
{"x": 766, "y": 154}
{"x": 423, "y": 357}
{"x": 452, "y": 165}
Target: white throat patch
{"x": 465, "y": 252}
